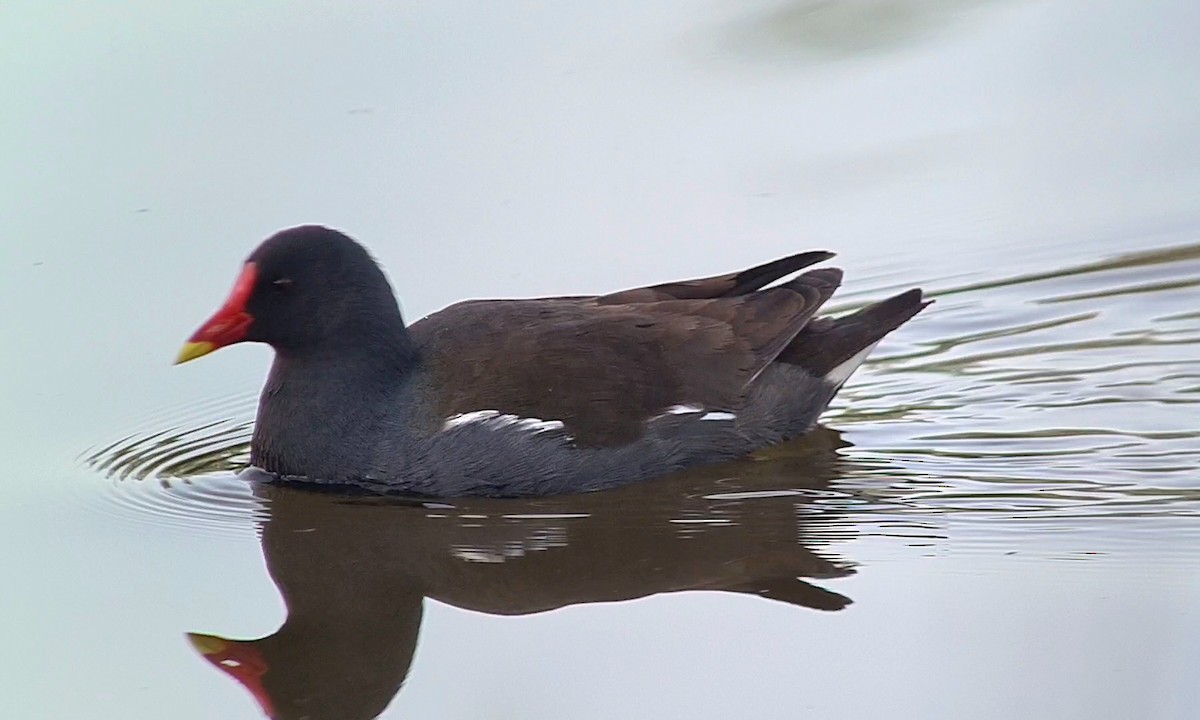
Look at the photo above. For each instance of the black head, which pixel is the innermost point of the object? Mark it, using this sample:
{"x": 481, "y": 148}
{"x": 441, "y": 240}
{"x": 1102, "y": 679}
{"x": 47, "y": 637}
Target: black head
{"x": 305, "y": 290}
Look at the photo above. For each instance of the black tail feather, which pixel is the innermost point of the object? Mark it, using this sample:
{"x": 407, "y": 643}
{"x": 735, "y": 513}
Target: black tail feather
{"x": 719, "y": 286}
{"x": 758, "y": 277}
{"x": 825, "y": 343}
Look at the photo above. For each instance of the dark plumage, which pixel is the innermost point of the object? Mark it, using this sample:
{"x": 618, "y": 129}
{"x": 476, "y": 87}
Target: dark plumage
{"x": 531, "y": 397}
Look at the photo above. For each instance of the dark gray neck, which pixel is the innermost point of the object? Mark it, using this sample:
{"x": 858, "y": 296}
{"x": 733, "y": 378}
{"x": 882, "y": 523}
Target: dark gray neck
{"x": 332, "y": 416}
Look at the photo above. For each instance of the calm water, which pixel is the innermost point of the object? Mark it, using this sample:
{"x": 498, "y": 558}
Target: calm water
{"x": 1000, "y": 519}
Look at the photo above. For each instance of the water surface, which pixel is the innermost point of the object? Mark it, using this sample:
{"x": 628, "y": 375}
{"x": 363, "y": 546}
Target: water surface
{"x": 1000, "y": 518}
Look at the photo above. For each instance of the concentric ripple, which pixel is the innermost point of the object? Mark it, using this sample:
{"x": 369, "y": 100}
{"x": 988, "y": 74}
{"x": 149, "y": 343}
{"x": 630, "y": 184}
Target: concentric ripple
{"x": 219, "y": 446}
{"x": 215, "y": 505}
{"x": 184, "y": 477}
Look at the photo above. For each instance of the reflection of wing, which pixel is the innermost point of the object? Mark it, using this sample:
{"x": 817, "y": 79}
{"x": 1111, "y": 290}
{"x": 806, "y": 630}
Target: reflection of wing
{"x": 795, "y": 591}
{"x": 353, "y": 572}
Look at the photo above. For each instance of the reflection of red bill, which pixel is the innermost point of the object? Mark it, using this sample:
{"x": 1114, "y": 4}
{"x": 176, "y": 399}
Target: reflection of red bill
{"x": 240, "y": 660}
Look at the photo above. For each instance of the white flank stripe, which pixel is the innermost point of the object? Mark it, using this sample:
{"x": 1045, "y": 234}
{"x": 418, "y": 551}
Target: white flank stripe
{"x": 468, "y": 418}
{"x": 533, "y": 424}
{"x": 842, "y": 372}
{"x": 696, "y": 410}
{"x": 494, "y": 417}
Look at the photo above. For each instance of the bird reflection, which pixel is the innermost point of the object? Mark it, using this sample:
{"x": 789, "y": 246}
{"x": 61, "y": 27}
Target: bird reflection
{"x": 354, "y": 572}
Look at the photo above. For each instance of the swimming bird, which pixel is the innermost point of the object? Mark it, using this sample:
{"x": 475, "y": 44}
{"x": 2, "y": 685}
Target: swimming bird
{"x": 536, "y": 396}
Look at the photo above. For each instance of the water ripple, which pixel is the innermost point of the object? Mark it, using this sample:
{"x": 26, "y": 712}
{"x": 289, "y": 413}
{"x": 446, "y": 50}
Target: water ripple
{"x": 218, "y": 446}
{"x": 1066, "y": 394}
{"x": 215, "y": 505}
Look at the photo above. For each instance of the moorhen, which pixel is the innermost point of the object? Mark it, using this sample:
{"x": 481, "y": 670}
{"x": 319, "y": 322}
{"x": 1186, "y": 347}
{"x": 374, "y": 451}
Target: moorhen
{"x": 531, "y": 397}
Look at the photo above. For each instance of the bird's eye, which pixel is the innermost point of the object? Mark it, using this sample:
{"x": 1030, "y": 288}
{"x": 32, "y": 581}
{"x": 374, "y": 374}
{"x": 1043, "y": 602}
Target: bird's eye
{"x": 282, "y": 284}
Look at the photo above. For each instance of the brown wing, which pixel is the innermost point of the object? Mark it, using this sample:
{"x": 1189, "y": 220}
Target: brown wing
{"x": 603, "y": 369}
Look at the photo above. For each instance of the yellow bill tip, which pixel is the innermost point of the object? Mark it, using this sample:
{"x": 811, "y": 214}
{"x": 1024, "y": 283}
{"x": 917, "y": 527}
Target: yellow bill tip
{"x": 193, "y": 350}
{"x": 207, "y": 644}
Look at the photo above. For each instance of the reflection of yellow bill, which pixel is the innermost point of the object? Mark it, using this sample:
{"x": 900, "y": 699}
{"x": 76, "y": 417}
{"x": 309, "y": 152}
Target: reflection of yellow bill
{"x": 207, "y": 644}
